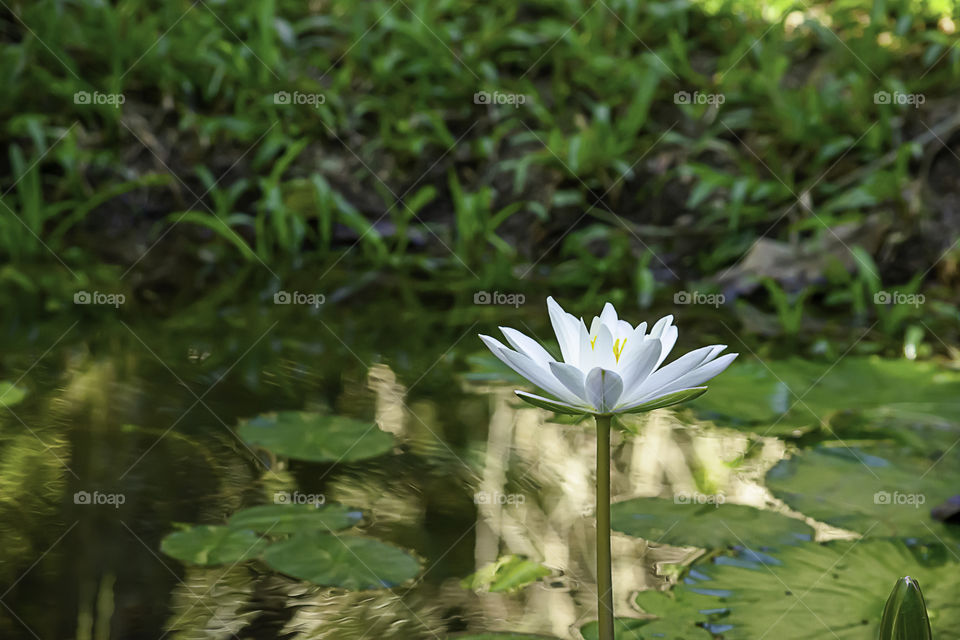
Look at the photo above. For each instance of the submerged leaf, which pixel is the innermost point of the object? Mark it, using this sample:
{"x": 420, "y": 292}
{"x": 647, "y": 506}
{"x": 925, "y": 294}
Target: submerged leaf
{"x": 316, "y": 437}
{"x": 834, "y": 590}
{"x": 860, "y": 490}
{"x": 507, "y": 574}
{"x": 686, "y": 521}
{"x": 289, "y": 518}
{"x": 794, "y": 395}
{"x": 351, "y": 562}
{"x": 209, "y": 545}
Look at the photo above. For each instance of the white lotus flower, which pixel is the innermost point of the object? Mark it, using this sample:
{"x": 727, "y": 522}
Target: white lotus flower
{"x": 611, "y": 368}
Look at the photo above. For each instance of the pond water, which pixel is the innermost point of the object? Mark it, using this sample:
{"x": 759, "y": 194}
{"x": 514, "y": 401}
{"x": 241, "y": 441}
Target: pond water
{"x": 128, "y": 432}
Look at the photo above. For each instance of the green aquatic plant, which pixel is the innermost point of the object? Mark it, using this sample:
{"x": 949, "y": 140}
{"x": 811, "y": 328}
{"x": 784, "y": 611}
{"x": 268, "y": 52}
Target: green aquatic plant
{"x": 905, "y": 614}
{"x": 613, "y": 368}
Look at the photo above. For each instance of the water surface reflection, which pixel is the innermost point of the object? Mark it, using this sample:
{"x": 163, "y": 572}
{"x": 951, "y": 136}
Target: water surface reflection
{"x": 149, "y": 414}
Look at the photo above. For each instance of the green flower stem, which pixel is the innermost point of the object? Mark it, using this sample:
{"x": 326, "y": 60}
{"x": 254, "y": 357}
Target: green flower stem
{"x": 604, "y": 572}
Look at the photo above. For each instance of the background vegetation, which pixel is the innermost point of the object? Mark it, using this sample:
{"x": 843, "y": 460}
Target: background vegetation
{"x": 786, "y": 181}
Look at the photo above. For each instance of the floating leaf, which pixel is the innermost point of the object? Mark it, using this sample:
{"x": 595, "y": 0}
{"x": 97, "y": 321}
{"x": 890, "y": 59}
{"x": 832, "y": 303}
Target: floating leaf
{"x": 779, "y": 397}
{"x": 705, "y": 525}
{"x": 316, "y": 437}
{"x": 509, "y": 573}
{"x": 673, "y": 610}
{"x": 289, "y": 518}
{"x": 920, "y": 429}
{"x": 351, "y": 562}
{"x": 857, "y": 489}
{"x": 835, "y": 590}
{"x": 747, "y": 392}
{"x": 209, "y": 545}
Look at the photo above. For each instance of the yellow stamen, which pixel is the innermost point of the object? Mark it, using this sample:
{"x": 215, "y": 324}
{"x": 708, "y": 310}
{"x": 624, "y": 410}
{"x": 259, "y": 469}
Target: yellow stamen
{"x": 593, "y": 342}
{"x": 618, "y": 348}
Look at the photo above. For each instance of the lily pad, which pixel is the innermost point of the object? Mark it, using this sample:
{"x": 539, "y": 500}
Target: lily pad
{"x": 510, "y": 573}
{"x": 351, "y": 562}
{"x": 860, "y": 490}
{"x": 778, "y": 397}
{"x": 747, "y": 392}
{"x": 834, "y": 590}
{"x": 927, "y": 429}
{"x": 290, "y": 518}
{"x": 673, "y": 610}
{"x": 10, "y": 394}
{"x": 710, "y": 526}
{"x": 209, "y": 545}
{"x": 316, "y": 437}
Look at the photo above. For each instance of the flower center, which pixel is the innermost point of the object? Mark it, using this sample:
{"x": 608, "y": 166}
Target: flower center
{"x": 618, "y": 347}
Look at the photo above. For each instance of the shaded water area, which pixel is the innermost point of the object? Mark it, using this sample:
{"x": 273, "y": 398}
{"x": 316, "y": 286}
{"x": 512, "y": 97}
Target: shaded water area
{"x": 139, "y": 414}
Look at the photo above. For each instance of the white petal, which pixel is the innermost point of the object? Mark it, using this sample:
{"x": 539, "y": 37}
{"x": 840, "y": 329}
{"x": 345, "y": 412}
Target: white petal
{"x": 595, "y": 325}
{"x": 660, "y": 326}
{"x": 585, "y": 362}
{"x": 643, "y": 361}
{"x": 682, "y": 365}
{"x": 700, "y": 375}
{"x": 537, "y": 375}
{"x": 603, "y": 350}
{"x": 716, "y": 349}
{"x": 667, "y": 340}
{"x": 641, "y": 330}
{"x": 570, "y": 377}
{"x": 635, "y": 342}
{"x": 666, "y": 375}
{"x": 609, "y": 315}
{"x": 529, "y": 369}
{"x": 527, "y": 346}
{"x": 493, "y": 344}
{"x": 552, "y": 405}
{"x": 624, "y": 329}
{"x": 694, "y": 378}
{"x": 565, "y": 326}
{"x": 604, "y": 389}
